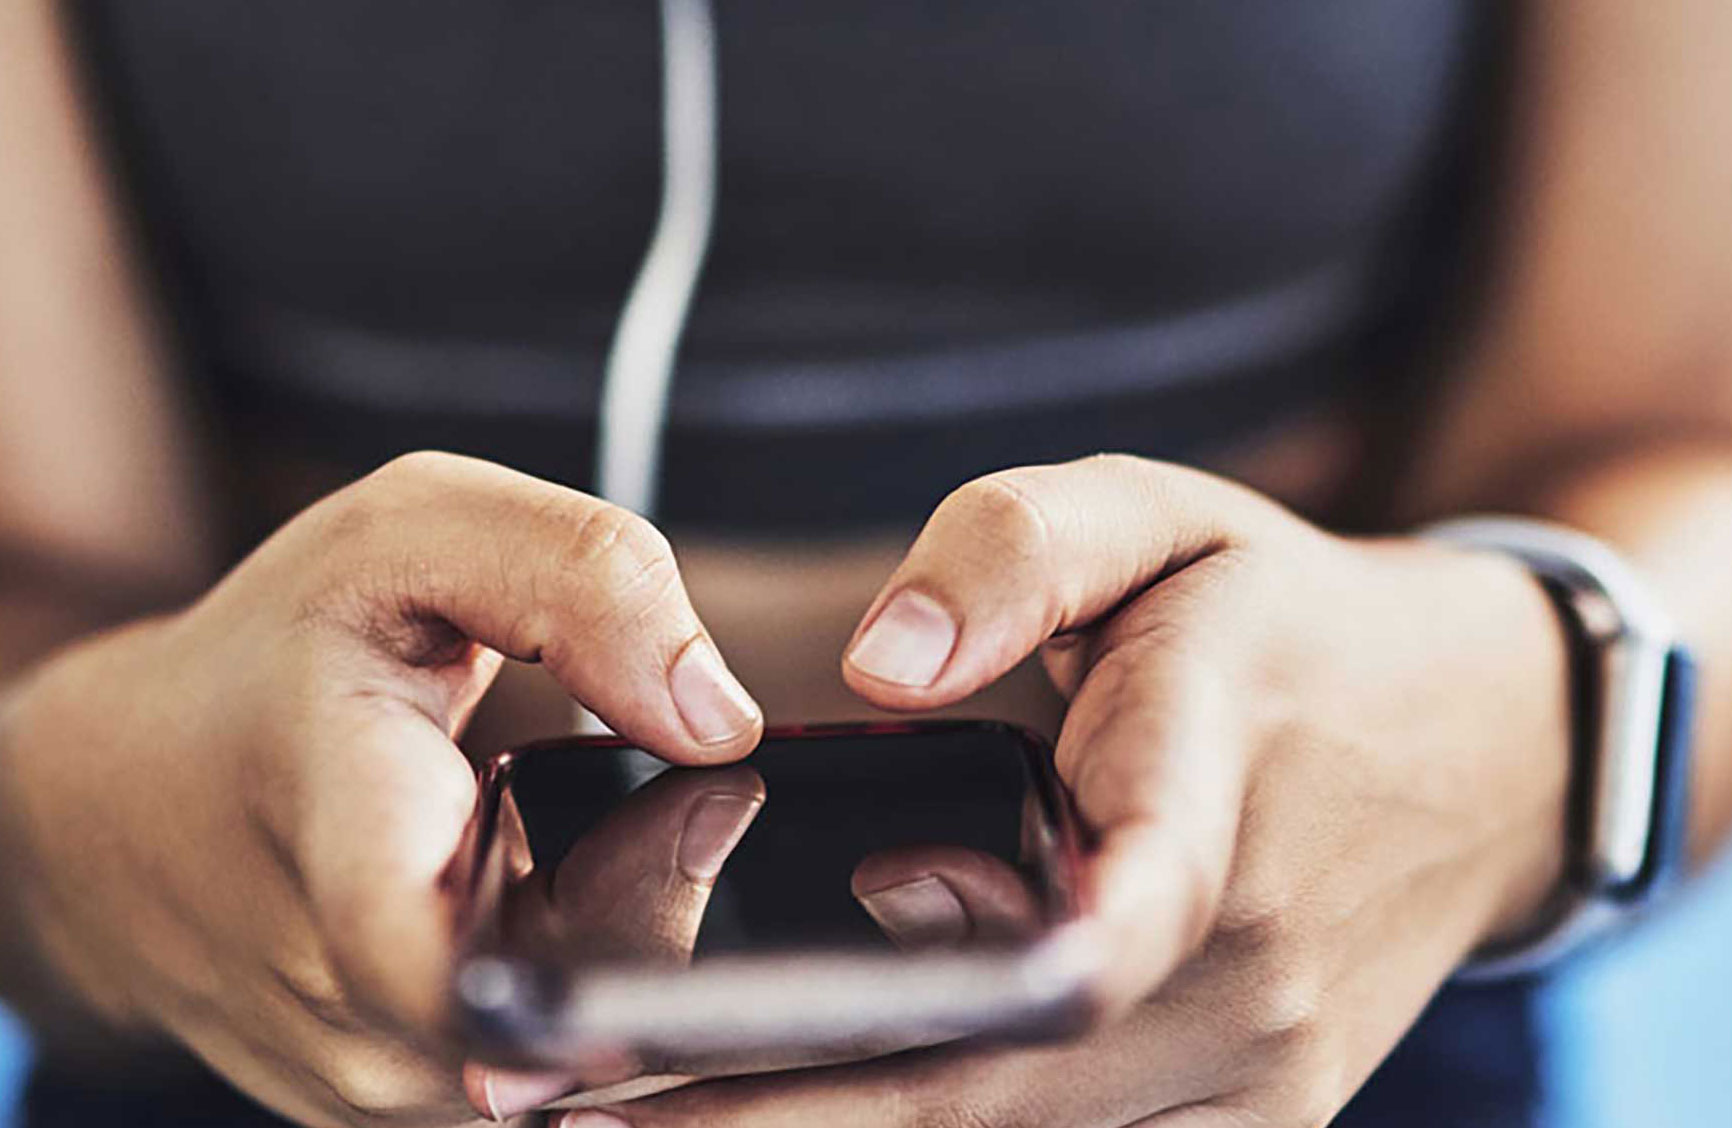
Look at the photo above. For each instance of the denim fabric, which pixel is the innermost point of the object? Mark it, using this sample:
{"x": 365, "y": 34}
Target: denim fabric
{"x": 1470, "y": 1062}
{"x": 1473, "y": 1060}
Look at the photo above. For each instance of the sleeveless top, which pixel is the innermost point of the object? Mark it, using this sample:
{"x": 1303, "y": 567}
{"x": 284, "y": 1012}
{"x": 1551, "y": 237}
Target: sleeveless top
{"x": 950, "y": 237}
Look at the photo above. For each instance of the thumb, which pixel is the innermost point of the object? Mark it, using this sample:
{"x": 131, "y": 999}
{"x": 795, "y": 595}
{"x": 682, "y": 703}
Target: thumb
{"x": 946, "y": 897}
{"x": 1153, "y": 751}
{"x": 372, "y": 837}
{"x": 1012, "y": 559}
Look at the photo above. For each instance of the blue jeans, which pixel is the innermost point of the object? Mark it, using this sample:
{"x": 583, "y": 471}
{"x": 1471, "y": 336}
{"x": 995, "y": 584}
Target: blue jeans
{"x": 1472, "y": 1061}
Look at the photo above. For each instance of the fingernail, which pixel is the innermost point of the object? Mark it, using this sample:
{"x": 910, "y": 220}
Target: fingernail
{"x": 919, "y": 914}
{"x": 909, "y": 642}
{"x": 714, "y": 826}
{"x": 715, "y": 707}
{"x": 589, "y": 1118}
{"x": 512, "y": 1094}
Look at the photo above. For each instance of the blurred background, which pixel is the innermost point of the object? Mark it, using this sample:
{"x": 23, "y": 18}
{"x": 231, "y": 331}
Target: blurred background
{"x": 1642, "y": 1026}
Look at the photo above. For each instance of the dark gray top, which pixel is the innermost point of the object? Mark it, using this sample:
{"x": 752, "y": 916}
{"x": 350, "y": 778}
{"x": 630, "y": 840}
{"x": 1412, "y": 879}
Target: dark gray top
{"x": 972, "y": 233}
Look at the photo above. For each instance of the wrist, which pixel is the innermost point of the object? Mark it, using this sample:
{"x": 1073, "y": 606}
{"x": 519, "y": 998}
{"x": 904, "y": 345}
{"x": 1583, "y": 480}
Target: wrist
{"x": 13, "y": 865}
{"x": 26, "y": 981}
{"x": 1533, "y": 775}
{"x": 53, "y": 749}
{"x": 1534, "y": 868}
{"x": 1631, "y": 687}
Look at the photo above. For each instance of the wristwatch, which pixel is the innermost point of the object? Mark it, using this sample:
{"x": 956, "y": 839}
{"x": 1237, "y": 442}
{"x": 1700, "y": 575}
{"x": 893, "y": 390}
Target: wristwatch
{"x": 1632, "y": 691}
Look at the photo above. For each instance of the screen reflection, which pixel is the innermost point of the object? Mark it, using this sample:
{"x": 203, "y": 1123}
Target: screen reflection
{"x": 916, "y": 838}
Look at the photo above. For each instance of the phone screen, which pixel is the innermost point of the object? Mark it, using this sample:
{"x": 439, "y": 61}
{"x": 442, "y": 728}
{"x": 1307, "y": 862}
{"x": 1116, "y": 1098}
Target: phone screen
{"x": 853, "y": 845}
{"x": 966, "y": 804}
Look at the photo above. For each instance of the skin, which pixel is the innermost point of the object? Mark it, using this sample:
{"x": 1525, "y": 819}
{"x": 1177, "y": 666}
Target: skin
{"x": 285, "y": 910}
{"x": 1303, "y": 827}
{"x": 1324, "y": 853}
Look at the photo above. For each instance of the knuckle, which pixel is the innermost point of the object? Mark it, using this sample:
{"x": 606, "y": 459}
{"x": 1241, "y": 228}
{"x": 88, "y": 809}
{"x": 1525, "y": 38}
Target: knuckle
{"x": 1278, "y": 978}
{"x": 317, "y": 989}
{"x": 371, "y": 1091}
{"x": 342, "y": 530}
{"x": 1256, "y": 920}
{"x": 996, "y": 1093}
{"x": 400, "y": 487}
{"x": 362, "y": 506}
{"x": 1130, "y": 465}
{"x": 1003, "y": 514}
{"x": 364, "y": 561}
{"x": 612, "y": 570}
{"x": 1307, "y": 1098}
{"x": 618, "y": 548}
{"x": 1268, "y": 913}
{"x": 630, "y": 563}
{"x": 965, "y": 1112}
{"x": 1285, "y": 1020}
{"x": 1279, "y": 1015}
{"x": 351, "y": 517}
{"x": 1158, "y": 488}
{"x": 418, "y": 467}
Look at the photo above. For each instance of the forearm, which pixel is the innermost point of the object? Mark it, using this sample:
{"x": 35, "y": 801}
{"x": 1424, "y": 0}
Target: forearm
{"x": 36, "y": 618}
{"x": 101, "y": 515}
{"x": 48, "y": 599}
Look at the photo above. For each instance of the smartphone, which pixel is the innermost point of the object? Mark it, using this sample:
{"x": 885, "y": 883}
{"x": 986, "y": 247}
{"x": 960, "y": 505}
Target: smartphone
{"x": 582, "y": 940}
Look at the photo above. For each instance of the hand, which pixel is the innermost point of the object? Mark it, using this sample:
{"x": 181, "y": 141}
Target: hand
{"x": 1320, "y": 770}
{"x": 235, "y": 823}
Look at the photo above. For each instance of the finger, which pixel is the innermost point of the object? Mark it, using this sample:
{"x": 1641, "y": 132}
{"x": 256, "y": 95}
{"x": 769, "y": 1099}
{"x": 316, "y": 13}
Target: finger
{"x": 871, "y": 1095}
{"x": 946, "y": 897}
{"x": 1065, "y": 658}
{"x": 1155, "y": 1060}
{"x": 435, "y": 544}
{"x": 1153, "y": 751}
{"x": 636, "y": 886}
{"x": 1011, "y": 559}
{"x": 500, "y": 1094}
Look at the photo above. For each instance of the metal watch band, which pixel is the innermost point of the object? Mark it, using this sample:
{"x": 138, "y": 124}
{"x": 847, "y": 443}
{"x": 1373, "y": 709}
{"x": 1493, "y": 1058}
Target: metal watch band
{"x": 1633, "y": 690}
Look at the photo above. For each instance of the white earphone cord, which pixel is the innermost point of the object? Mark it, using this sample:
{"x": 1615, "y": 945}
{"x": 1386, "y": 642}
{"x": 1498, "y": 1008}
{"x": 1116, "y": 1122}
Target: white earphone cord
{"x": 638, "y": 376}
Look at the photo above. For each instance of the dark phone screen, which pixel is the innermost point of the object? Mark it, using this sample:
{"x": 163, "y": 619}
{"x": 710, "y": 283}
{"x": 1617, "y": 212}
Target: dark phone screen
{"x": 601, "y": 824}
